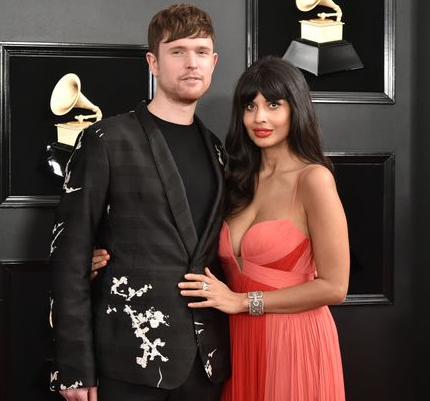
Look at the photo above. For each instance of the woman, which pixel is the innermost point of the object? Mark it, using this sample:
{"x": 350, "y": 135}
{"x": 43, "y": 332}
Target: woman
{"x": 283, "y": 245}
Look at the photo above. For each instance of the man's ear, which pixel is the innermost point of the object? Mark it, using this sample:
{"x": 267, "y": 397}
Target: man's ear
{"x": 215, "y": 60}
{"x": 152, "y": 63}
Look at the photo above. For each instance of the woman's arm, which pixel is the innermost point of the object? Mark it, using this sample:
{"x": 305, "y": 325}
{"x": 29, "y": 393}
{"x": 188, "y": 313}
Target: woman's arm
{"x": 328, "y": 233}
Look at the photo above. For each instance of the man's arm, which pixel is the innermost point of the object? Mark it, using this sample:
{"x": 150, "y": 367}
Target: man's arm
{"x": 81, "y": 209}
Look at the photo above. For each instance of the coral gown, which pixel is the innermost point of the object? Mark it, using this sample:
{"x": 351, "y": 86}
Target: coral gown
{"x": 279, "y": 357}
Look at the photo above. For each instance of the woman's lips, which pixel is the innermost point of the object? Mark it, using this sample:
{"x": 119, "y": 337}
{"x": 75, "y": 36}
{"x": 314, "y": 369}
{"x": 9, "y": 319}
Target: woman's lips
{"x": 262, "y": 133}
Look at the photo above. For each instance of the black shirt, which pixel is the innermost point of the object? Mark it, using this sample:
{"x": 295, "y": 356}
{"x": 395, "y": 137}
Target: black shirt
{"x": 192, "y": 159}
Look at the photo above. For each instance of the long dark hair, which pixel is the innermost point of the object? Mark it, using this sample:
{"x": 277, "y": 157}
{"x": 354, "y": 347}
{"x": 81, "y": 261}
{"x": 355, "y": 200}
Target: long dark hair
{"x": 275, "y": 79}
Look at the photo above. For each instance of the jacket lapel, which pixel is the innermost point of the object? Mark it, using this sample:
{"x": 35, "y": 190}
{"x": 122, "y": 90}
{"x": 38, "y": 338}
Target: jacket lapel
{"x": 215, "y": 216}
{"x": 170, "y": 178}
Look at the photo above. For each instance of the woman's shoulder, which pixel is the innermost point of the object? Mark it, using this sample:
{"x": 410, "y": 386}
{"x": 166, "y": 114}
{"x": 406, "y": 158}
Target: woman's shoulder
{"x": 315, "y": 178}
{"x": 314, "y": 172}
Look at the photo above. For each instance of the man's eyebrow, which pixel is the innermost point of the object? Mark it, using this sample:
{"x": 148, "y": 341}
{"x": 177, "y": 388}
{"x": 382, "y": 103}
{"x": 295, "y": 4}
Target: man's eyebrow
{"x": 180, "y": 47}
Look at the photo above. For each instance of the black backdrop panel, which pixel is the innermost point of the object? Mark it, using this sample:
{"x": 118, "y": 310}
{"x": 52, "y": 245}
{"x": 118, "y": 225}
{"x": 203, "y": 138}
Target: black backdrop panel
{"x": 25, "y": 332}
{"x": 115, "y": 78}
{"x": 365, "y": 183}
{"x": 278, "y": 23}
{"x": 369, "y": 27}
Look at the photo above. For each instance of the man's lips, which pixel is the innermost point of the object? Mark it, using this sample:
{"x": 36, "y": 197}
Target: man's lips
{"x": 262, "y": 133}
{"x": 191, "y": 78}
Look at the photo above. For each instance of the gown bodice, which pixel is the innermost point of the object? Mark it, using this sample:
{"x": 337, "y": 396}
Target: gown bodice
{"x": 273, "y": 252}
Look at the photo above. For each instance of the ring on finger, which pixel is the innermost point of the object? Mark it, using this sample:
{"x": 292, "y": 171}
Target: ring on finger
{"x": 205, "y": 286}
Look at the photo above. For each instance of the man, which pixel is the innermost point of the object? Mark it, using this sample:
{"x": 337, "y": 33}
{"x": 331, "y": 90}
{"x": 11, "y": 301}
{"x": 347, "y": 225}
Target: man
{"x": 148, "y": 186}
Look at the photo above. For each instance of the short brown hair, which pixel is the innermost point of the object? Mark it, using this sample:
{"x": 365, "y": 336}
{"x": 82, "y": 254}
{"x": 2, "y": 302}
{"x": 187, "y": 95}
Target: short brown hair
{"x": 176, "y": 22}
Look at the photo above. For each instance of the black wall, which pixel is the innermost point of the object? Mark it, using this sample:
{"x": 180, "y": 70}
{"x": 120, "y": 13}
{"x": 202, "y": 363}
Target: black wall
{"x": 420, "y": 191}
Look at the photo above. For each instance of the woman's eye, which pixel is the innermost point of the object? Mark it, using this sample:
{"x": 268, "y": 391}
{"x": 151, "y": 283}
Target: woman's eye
{"x": 249, "y": 107}
{"x": 273, "y": 105}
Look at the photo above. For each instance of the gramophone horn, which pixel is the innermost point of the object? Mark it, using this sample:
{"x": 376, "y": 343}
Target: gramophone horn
{"x": 67, "y": 94}
{"x": 307, "y": 5}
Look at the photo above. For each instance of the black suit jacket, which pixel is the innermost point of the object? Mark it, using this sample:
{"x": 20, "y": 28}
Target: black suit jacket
{"x": 123, "y": 191}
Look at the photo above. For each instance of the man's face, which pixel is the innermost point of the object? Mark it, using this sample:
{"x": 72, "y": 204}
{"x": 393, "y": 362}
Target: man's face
{"x": 183, "y": 68}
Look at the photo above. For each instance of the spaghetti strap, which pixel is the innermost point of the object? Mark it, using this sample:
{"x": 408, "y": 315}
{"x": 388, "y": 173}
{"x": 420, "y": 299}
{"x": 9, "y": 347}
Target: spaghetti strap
{"x": 296, "y": 185}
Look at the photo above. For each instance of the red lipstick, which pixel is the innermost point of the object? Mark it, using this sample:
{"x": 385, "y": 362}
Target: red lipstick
{"x": 262, "y": 132}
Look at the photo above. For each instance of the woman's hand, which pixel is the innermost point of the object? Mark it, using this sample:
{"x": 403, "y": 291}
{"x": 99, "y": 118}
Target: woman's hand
{"x": 100, "y": 258}
{"x": 80, "y": 394}
{"x": 217, "y": 294}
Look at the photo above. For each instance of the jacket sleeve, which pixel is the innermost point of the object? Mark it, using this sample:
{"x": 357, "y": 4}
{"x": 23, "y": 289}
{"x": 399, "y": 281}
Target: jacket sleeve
{"x": 82, "y": 206}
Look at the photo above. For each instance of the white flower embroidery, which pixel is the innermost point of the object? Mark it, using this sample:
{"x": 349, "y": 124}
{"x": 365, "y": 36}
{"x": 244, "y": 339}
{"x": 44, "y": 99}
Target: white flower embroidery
{"x": 131, "y": 291}
{"x": 161, "y": 377}
{"x": 79, "y": 144}
{"x": 66, "y": 184}
{"x": 56, "y": 235}
{"x": 139, "y": 323}
{"x": 208, "y": 366}
{"x": 142, "y": 323}
{"x": 68, "y": 173}
{"x": 219, "y": 154}
{"x": 54, "y": 376}
{"x": 109, "y": 310}
{"x": 51, "y": 305}
{"x": 76, "y": 384}
{"x": 198, "y": 331}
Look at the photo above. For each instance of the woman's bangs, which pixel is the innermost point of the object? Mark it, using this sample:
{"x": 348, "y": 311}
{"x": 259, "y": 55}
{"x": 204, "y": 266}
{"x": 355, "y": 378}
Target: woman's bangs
{"x": 267, "y": 85}
{"x": 249, "y": 91}
{"x": 272, "y": 88}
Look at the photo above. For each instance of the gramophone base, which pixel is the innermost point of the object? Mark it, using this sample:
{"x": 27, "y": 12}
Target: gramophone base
{"x": 323, "y": 58}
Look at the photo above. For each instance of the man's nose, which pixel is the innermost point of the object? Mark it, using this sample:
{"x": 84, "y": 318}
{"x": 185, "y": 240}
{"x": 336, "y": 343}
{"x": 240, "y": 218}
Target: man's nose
{"x": 192, "y": 61}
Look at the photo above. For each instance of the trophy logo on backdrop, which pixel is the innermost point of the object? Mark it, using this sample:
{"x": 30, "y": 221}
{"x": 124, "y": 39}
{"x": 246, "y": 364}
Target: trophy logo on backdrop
{"x": 65, "y": 97}
{"x": 321, "y": 48}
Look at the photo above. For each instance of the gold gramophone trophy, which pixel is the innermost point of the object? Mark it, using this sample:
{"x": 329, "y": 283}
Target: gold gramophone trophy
{"x": 66, "y": 96}
{"x": 321, "y": 48}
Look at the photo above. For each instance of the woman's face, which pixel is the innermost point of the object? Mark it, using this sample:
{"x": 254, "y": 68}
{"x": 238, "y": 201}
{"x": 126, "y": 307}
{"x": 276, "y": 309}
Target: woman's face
{"x": 267, "y": 123}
